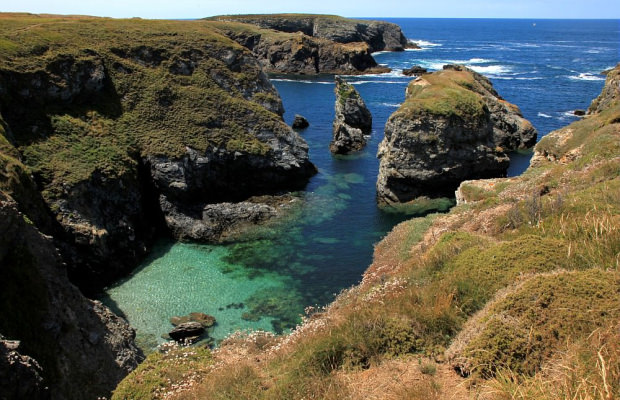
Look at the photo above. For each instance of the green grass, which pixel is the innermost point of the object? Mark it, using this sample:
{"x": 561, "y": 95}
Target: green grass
{"x": 144, "y": 108}
{"x": 449, "y": 94}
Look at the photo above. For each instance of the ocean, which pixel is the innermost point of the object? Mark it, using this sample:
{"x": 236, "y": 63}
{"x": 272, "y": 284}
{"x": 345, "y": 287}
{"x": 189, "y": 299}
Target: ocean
{"x": 549, "y": 68}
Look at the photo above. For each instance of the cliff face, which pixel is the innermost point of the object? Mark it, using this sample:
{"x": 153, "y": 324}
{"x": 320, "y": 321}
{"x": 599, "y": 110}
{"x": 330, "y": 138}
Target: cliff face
{"x": 126, "y": 123}
{"x": 352, "y": 120}
{"x": 610, "y": 94}
{"x": 377, "y": 34}
{"x": 297, "y": 53}
{"x": 83, "y": 349}
{"x": 452, "y": 126}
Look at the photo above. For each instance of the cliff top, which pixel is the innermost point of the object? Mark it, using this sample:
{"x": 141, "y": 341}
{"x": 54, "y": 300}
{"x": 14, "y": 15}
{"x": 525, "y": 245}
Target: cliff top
{"x": 446, "y": 92}
{"x": 84, "y": 94}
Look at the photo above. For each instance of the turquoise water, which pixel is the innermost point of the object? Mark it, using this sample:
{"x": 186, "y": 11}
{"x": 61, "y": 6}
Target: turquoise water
{"x": 327, "y": 243}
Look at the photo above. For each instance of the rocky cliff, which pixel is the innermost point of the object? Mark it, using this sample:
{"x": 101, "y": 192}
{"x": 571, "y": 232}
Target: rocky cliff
{"x": 79, "y": 348}
{"x": 113, "y": 132}
{"x": 451, "y": 127}
{"x": 297, "y": 53}
{"x": 127, "y": 124}
{"x": 378, "y": 35}
{"x": 352, "y": 120}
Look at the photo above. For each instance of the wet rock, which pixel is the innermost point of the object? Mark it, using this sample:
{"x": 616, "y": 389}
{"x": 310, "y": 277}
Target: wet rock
{"x": 187, "y": 330}
{"x": 579, "y": 113}
{"x": 300, "y": 122}
{"x": 352, "y": 120}
{"x": 416, "y": 70}
{"x": 205, "y": 320}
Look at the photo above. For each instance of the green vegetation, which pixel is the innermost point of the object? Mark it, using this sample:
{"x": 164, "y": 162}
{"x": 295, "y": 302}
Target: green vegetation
{"x": 107, "y": 91}
{"x": 518, "y": 289}
{"x": 447, "y": 93}
{"x": 155, "y": 377}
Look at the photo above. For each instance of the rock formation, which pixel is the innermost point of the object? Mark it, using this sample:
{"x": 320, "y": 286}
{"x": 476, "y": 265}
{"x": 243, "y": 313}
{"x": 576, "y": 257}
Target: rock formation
{"x": 83, "y": 349}
{"x": 312, "y": 44}
{"x": 300, "y": 122}
{"x": 416, "y": 70}
{"x": 124, "y": 134}
{"x": 378, "y": 35}
{"x": 610, "y": 93}
{"x": 352, "y": 120}
{"x": 452, "y": 126}
{"x": 102, "y": 143}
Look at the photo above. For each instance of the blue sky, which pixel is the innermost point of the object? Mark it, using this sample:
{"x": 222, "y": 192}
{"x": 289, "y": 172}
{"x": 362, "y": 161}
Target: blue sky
{"x": 359, "y": 8}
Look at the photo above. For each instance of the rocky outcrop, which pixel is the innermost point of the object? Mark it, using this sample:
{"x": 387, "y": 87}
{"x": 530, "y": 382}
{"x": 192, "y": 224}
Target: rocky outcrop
{"x": 20, "y": 375}
{"x": 378, "y": 35}
{"x": 453, "y": 126}
{"x": 610, "y": 94}
{"x": 111, "y": 128}
{"x": 83, "y": 349}
{"x": 300, "y": 54}
{"x": 300, "y": 122}
{"x": 416, "y": 70}
{"x": 222, "y": 222}
{"x": 352, "y": 120}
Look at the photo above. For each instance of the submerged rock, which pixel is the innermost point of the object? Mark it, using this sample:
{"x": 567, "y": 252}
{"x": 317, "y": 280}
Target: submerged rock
{"x": 453, "y": 126}
{"x": 416, "y": 70}
{"x": 207, "y": 321}
{"x": 352, "y": 120}
{"x": 300, "y": 122}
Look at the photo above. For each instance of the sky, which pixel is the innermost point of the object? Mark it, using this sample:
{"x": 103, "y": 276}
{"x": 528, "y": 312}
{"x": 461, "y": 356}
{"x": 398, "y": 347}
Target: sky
{"x": 359, "y": 8}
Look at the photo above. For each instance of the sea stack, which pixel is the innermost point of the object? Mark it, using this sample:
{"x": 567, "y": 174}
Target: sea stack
{"x": 452, "y": 126}
{"x": 352, "y": 120}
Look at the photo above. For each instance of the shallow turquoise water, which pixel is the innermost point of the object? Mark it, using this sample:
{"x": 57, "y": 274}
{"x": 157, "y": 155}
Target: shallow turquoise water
{"x": 328, "y": 242}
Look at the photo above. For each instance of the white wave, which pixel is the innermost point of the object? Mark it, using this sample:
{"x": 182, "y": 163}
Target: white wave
{"x": 490, "y": 69}
{"x": 381, "y": 82}
{"x": 586, "y": 77}
{"x": 544, "y": 115}
{"x": 592, "y": 51}
{"x": 300, "y": 81}
{"x": 380, "y": 52}
{"x": 516, "y": 78}
{"x": 425, "y": 43}
{"x": 395, "y": 105}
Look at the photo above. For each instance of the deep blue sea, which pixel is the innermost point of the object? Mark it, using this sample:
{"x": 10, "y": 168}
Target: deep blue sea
{"x": 548, "y": 68}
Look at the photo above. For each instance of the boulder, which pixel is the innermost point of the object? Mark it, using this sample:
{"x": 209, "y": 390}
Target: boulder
{"x": 300, "y": 122}
{"x": 352, "y": 120}
{"x": 187, "y": 330}
{"x": 416, "y": 70}
{"x": 579, "y": 113}
{"x": 452, "y": 126}
{"x": 205, "y": 320}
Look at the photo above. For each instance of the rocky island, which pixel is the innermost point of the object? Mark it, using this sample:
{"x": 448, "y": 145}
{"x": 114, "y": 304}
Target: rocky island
{"x": 451, "y": 127}
{"x": 352, "y": 120}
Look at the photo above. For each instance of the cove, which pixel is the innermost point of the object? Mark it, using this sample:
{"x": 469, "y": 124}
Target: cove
{"x": 266, "y": 281}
